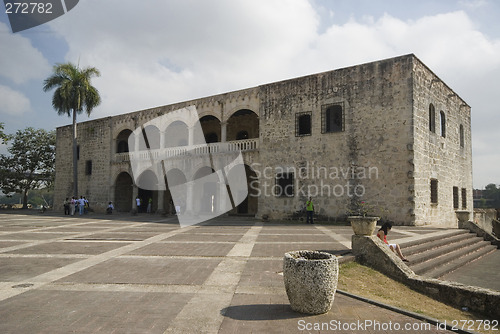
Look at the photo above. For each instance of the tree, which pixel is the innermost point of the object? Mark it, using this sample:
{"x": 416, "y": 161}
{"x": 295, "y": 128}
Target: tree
{"x": 30, "y": 164}
{"x": 73, "y": 94}
{"x": 3, "y": 136}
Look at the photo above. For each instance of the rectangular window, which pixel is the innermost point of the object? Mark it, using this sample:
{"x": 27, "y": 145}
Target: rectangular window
{"x": 78, "y": 152}
{"x": 332, "y": 118}
{"x": 88, "y": 167}
{"x": 434, "y": 191}
{"x": 464, "y": 198}
{"x": 284, "y": 185}
{"x": 303, "y": 124}
{"x": 455, "y": 197}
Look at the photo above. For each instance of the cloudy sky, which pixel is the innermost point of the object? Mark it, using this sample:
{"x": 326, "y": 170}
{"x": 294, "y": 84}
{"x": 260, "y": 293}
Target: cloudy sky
{"x": 156, "y": 52}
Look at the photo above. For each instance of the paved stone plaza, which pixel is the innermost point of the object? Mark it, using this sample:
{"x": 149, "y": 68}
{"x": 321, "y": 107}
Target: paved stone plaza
{"x": 144, "y": 274}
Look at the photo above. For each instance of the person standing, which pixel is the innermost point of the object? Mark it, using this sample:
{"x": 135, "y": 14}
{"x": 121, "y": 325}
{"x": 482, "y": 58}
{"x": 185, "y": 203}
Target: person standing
{"x": 150, "y": 204}
{"x": 81, "y": 205}
{"x": 138, "y": 203}
{"x": 72, "y": 205}
{"x": 66, "y": 206}
{"x": 309, "y": 211}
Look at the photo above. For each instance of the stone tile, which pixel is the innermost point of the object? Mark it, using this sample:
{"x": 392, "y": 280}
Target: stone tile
{"x": 90, "y": 248}
{"x": 33, "y": 236}
{"x": 5, "y": 244}
{"x": 147, "y": 271}
{"x": 263, "y": 273}
{"x": 205, "y": 237}
{"x": 19, "y": 268}
{"x": 279, "y": 250}
{"x": 133, "y": 236}
{"x": 90, "y": 312}
{"x": 185, "y": 249}
{"x": 294, "y": 238}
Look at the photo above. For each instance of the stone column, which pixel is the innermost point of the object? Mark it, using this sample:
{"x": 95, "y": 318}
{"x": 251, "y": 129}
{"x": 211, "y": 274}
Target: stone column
{"x": 223, "y": 132}
{"x": 189, "y": 198}
{"x": 161, "y": 199}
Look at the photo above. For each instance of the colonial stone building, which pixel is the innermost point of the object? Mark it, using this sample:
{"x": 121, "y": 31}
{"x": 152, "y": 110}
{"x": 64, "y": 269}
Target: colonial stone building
{"x": 390, "y": 134}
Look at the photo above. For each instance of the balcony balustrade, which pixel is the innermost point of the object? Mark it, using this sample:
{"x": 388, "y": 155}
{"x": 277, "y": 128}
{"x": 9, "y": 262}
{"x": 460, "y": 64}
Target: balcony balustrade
{"x": 245, "y": 145}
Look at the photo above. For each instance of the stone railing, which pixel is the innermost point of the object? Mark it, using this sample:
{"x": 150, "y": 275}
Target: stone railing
{"x": 245, "y": 145}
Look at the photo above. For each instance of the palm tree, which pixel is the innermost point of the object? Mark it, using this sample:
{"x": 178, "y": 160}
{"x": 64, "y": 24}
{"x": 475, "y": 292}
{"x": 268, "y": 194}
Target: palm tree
{"x": 73, "y": 94}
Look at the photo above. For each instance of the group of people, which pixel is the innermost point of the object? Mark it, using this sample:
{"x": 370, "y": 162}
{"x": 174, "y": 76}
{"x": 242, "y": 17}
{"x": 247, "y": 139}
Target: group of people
{"x": 75, "y": 204}
{"x": 139, "y": 204}
{"x": 381, "y": 234}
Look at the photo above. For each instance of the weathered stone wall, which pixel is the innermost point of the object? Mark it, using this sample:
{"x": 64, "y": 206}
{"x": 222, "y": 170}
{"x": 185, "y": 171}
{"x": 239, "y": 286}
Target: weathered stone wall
{"x": 384, "y": 154}
{"x": 94, "y": 142}
{"x": 376, "y": 100}
{"x": 439, "y": 157}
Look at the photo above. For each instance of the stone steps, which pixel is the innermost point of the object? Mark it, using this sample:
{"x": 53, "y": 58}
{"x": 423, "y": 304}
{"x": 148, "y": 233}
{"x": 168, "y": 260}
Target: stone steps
{"x": 443, "y": 253}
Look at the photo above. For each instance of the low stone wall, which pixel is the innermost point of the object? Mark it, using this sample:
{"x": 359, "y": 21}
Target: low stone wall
{"x": 483, "y": 218}
{"x": 371, "y": 251}
{"x": 474, "y": 228}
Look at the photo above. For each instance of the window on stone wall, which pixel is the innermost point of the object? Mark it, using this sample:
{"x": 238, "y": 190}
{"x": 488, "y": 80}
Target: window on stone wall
{"x": 434, "y": 191}
{"x": 122, "y": 147}
{"x": 464, "y": 198}
{"x": 462, "y": 138}
{"x": 442, "y": 118}
{"x": 284, "y": 185}
{"x": 332, "y": 118}
{"x": 455, "y": 197}
{"x": 432, "y": 118}
{"x": 88, "y": 167}
{"x": 303, "y": 124}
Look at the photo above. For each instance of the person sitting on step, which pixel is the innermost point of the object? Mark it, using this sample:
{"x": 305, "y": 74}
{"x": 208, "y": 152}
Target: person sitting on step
{"x": 382, "y": 234}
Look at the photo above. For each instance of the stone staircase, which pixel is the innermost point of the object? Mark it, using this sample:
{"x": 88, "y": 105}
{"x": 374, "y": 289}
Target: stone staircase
{"x": 442, "y": 253}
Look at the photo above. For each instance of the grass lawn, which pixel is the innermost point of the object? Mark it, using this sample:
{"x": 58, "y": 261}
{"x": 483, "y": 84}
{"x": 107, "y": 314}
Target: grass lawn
{"x": 369, "y": 283}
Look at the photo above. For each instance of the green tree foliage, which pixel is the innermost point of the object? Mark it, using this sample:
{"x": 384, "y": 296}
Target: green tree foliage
{"x": 3, "y": 137}
{"x": 30, "y": 164}
{"x": 492, "y": 193}
{"x": 74, "y": 93}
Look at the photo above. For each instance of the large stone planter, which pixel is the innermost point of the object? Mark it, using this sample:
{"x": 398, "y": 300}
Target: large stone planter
{"x": 310, "y": 280}
{"x": 363, "y": 225}
{"x": 462, "y": 215}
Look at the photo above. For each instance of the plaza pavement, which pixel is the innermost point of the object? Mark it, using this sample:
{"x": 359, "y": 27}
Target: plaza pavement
{"x": 145, "y": 274}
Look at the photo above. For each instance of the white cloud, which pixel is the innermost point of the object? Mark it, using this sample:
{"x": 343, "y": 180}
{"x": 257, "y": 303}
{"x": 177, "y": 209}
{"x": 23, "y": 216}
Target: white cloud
{"x": 167, "y": 51}
{"x": 19, "y": 60}
{"x": 13, "y": 103}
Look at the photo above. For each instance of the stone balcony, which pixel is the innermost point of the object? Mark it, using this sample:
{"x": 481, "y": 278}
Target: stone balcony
{"x": 245, "y": 145}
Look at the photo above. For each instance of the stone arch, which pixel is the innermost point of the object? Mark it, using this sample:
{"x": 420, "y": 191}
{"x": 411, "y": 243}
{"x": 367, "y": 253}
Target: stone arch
{"x": 123, "y": 192}
{"x": 206, "y": 192}
{"x": 122, "y": 141}
{"x": 211, "y": 127}
{"x": 147, "y": 184}
{"x": 243, "y": 120}
{"x": 176, "y": 134}
{"x": 174, "y": 177}
{"x": 249, "y": 206}
{"x": 150, "y": 138}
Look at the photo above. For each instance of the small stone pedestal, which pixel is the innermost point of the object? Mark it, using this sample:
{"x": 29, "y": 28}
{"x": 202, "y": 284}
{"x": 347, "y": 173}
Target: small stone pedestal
{"x": 310, "y": 280}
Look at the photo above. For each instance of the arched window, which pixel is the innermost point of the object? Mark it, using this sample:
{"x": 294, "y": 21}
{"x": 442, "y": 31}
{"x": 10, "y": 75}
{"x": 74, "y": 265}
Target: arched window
{"x": 462, "y": 138}
{"x": 122, "y": 147}
{"x": 442, "y": 117}
{"x": 432, "y": 118}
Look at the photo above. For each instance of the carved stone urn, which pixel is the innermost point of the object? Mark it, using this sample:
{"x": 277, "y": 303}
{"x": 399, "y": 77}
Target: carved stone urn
{"x": 362, "y": 225}
{"x": 311, "y": 279}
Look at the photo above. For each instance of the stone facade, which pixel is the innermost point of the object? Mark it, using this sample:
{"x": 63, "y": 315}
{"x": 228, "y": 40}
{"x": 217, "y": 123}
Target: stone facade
{"x": 371, "y": 132}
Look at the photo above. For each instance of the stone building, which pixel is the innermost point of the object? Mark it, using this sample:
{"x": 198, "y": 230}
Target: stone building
{"x": 389, "y": 134}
